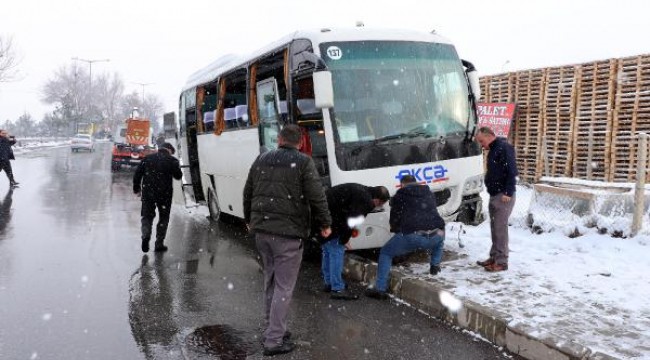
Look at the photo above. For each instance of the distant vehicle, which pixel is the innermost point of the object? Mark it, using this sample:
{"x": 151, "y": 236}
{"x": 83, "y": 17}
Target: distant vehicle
{"x": 82, "y": 142}
{"x": 85, "y": 128}
{"x": 132, "y": 142}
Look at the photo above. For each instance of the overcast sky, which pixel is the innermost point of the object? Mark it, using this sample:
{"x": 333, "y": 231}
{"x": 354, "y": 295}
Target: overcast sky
{"x": 163, "y": 42}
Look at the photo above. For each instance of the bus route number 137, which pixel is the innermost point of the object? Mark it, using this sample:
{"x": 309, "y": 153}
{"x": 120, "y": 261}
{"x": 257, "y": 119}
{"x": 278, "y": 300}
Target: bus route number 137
{"x": 334, "y": 52}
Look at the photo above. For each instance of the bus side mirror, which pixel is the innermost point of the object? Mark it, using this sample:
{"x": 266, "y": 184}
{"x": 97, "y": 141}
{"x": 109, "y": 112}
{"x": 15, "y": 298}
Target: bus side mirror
{"x": 472, "y": 76}
{"x": 474, "y": 84}
{"x": 323, "y": 90}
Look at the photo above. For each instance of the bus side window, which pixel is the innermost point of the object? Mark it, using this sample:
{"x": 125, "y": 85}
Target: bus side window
{"x": 208, "y": 120}
{"x": 207, "y": 105}
{"x": 241, "y": 115}
{"x": 235, "y": 109}
{"x": 230, "y": 118}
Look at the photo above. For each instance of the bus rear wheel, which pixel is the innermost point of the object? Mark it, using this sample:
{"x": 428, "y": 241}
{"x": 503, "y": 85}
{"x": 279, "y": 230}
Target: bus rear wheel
{"x": 213, "y": 206}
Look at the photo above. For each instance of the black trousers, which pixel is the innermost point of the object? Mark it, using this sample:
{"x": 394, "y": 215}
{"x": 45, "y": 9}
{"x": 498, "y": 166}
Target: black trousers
{"x": 6, "y": 166}
{"x": 148, "y": 213}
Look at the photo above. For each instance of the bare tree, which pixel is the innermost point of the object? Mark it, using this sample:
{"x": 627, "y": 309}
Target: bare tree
{"x": 67, "y": 90}
{"x": 110, "y": 91}
{"x": 153, "y": 110}
{"x": 107, "y": 105}
{"x": 53, "y": 124}
{"x": 130, "y": 101}
{"x": 9, "y": 126}
{"x": 25, "y": 126}
{"x": 8, "y": 59}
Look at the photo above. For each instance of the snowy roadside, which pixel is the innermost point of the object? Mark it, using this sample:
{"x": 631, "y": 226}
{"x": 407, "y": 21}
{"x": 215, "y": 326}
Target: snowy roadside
{"x": 589, "y": 289}
{"x": 25, "y": 145}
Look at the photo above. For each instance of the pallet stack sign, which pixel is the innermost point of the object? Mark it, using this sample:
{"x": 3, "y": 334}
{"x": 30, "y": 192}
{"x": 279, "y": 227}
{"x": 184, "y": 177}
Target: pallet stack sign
{"x": 632, "y": 115}
{"x": 594, "y": 121}
{"x": 589, "y": 113}
{"x": 558, "y": 116}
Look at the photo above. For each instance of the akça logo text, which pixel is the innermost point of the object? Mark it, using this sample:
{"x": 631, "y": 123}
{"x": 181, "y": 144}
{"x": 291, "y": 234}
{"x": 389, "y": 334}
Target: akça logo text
{"x": 426, "y": 174}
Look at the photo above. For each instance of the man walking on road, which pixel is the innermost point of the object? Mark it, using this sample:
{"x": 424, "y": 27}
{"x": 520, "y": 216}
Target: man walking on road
{"x": 500, "y": 181}
{"x": 153, "y": 182}
{"x": 415, "y": 220}
{"x": 283, "y": 193}
{"x": 7, "y": 154}
{"x": 346, "y": 202}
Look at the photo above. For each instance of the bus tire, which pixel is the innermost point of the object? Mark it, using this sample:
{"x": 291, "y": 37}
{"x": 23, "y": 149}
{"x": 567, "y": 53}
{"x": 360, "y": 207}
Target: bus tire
{"x": 213, "y": 206}
{"x": 469, "y": 216}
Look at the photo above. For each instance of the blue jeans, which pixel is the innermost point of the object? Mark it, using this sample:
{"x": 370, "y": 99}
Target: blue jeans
{"x": 332, "y": 264}
{"x": 401, "y": 244}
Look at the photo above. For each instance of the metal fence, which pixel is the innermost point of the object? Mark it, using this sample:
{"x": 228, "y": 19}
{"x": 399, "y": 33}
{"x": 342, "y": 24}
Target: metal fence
{"x": 572, "y": 205}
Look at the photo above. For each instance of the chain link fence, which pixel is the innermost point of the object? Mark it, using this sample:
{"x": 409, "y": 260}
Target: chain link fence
{"x": 572, "y": 206}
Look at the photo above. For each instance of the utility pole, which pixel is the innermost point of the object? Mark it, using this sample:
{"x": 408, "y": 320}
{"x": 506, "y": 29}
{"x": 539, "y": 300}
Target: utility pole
{"x": 90, "y": 75}
{"x": 90, "y": 70}
{"x": 143, "y": 85}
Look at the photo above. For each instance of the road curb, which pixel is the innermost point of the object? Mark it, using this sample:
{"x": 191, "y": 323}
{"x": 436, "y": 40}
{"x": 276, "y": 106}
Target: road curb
{"x": 498, "y": 328}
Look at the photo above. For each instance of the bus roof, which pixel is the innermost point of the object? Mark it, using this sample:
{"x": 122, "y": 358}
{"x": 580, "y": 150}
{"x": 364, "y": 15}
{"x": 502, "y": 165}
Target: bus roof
{"x": 230, "y": 62}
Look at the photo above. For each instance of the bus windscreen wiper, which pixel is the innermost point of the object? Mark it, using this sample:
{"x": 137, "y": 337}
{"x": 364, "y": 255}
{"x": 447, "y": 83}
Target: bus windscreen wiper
{"x": 416, "y": 132}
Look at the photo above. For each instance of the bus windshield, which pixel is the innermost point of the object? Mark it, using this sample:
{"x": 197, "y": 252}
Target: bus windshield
{"x": 385, "y": 90}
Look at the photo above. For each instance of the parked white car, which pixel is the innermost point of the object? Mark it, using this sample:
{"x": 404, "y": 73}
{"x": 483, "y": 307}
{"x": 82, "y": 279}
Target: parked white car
{"x": 82, "y": 142}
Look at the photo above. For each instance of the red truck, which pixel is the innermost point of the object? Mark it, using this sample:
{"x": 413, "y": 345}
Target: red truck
{"x": 132, "y": 142}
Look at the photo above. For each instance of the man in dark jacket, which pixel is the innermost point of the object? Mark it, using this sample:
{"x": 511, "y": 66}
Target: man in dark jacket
{"x": 500, "y": 181}
{"x": 282, "y": 195}
{"x": 417, "y": 225}
{"x": 153, "y": 182}
{"x": 7, "y": 154}
{"x": 346, "y": 201}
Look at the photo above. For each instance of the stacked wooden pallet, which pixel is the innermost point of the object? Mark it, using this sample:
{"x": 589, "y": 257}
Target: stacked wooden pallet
{"x": 529, "y": 94}
{"x": 594, "y": 118}
{"x": 632, "y": 115}
{"x": 484, "y": 81}
{"x": 559, "y": 119}
{"x": 501, "y": 88}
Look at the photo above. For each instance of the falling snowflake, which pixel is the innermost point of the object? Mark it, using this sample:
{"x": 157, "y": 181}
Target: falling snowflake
{"x": 450, "y": 301}
{"x": 47, "y": 316}
{"x": 230, "y": 286}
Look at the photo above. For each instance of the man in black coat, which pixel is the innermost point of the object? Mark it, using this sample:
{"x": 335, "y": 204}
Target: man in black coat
{"x": 153, "y": 182}
{"x": 415, "y": 220}
{"x": 346, "y": 201}
{"x": 282, "y": 195}
{"x": 500, "y": 181}
{"x": 7, "y": 154}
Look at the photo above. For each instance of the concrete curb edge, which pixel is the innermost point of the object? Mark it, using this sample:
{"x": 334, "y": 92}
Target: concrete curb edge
{"x": 496, "y": 327}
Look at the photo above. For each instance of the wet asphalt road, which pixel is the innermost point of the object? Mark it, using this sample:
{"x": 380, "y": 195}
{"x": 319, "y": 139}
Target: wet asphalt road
{"x": 75, "y": 285}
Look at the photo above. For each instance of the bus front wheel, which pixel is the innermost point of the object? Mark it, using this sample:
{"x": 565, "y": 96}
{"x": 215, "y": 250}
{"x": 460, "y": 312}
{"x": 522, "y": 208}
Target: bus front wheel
{"x": 471, "y": 211}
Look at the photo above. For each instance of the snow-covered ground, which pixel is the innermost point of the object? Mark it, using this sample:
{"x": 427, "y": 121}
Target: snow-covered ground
{"x": 592, "y": 289}
{"x": 28, "y": 144}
